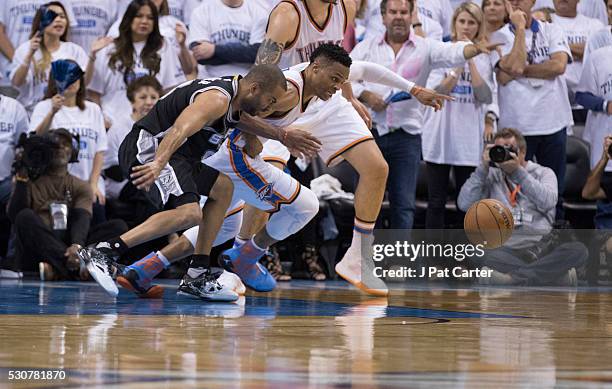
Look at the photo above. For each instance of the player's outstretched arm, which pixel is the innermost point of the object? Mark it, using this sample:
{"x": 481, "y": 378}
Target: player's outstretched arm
{"x": 378, "y": 74}
{"x": 282, "y": 29}
{"x": 299, "y": 142}
{"x": 207, "y": 107}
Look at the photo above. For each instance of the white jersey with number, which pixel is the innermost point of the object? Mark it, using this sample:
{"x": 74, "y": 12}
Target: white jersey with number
{"x": 309, "y": 35}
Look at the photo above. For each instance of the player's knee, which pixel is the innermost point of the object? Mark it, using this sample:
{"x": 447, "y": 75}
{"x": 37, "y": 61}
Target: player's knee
{"x": 309, "y": 203}
{"x": 376, "y": 170}
{"x": 223, "y": 188}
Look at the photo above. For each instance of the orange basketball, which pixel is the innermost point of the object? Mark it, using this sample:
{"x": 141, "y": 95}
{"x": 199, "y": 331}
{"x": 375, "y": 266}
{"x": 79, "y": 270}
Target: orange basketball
{"x": 488, "y": 222}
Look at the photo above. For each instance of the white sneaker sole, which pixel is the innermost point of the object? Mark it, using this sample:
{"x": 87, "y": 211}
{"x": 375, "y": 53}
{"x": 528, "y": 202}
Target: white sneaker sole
{"x": 345, "y": 273}
{"x": 99, "y": 274}
{"x": 227, "y": 298}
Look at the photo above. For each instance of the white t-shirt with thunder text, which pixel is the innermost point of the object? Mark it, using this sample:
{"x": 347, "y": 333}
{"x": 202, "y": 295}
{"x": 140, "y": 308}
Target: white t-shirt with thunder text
{"x": 33, "y": 90}
{"x": 16, "y": 16}
{"x": 454, "y": 135}
{"x": 13, "y": 123}
{"x": 215, "y": 22}
{"x": 577, "y": 30}
{"x": 116, "y": 134}
{"x": 535, "y": 106}
{"x": 110, "y": 83}
{"x": 597, "y": 79}
{"x": 87, "y": 123}
{"x": 94, "y": 17}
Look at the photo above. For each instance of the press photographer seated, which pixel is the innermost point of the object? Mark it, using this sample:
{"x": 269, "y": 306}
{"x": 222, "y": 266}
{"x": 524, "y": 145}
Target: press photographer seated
{"x": 534, "y": 255}
{"x": 51, "y": 209}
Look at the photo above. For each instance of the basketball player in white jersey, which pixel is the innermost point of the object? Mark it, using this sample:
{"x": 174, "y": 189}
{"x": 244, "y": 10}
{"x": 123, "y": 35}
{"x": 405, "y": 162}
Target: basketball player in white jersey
{"x": 269, "y": 189}
{"x": 295, "y": 29}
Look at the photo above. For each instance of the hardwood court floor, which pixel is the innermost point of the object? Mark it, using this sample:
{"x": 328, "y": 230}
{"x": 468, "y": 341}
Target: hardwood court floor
{"x": 308, "y": 334}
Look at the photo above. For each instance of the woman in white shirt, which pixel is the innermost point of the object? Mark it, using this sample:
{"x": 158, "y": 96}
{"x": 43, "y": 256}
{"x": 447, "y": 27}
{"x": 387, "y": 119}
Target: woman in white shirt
{"x": 495, "y": 15}
{"x": 138, "y": 51}
{"x": 453, "y": 138}
{"x": 32, "y": 59}
{"x": 142, "y": 94}
{"x": 71, "y": 111}
{"x": 174, "y": 31}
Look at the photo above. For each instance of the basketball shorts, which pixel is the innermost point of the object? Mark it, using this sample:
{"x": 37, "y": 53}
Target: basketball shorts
{"x": 275, "y": 151}
{"x": 336, "y": 124}
{"x": 180, "y": 182}
{"x": 256, "y": 181}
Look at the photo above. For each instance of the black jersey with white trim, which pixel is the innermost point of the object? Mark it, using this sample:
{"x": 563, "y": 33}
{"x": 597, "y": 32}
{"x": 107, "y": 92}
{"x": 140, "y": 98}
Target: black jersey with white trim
{"x": 165, "y": 112}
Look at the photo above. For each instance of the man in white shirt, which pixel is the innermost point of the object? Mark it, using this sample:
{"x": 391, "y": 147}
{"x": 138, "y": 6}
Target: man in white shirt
{"x": 595, "y": 9}
{"x": 577, "y": 28}
{"x": 601, "y": 38}
{"x": 532, "y": 89}
{"x": 225, "y": 35}
{"x": 399, "y": 124}
{"x": 439, "y": 10}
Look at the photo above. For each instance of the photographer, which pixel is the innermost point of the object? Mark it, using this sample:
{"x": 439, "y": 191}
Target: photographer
{"x": 532, "y": 256}
{"x": 51, "y": 209}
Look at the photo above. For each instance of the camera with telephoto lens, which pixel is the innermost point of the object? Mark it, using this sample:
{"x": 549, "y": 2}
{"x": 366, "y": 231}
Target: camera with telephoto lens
{"x": 36, "y": 152}
{"x": 499, "y": 154}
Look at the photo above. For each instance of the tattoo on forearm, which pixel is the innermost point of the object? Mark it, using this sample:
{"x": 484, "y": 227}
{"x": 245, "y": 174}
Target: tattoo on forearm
{"x": 269, "y": 52}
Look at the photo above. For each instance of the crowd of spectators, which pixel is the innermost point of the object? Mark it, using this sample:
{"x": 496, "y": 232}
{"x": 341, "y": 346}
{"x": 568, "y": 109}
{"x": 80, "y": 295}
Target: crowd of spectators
{"x": 549, "y": 78}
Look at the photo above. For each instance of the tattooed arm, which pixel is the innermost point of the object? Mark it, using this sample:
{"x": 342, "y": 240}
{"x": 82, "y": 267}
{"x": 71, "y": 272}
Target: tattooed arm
{"x": 282, "y": 28}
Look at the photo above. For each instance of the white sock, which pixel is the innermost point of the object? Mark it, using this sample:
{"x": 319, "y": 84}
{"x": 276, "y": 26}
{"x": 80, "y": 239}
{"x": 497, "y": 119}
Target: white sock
{"x": 239, "y": 242}
{"x": 257, "y": 247}
{"x": 362, "y": 235}
{"x": 163, "y": 258}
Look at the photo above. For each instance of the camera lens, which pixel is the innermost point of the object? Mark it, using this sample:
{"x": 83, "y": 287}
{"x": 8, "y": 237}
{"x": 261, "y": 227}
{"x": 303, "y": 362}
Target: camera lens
{"x": 498, "y": 154}
{"x": 610, "y": 150}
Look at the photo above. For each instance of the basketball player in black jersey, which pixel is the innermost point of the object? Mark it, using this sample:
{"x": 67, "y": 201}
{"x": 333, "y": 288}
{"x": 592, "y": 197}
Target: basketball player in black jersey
{"x": 162, "y": 155}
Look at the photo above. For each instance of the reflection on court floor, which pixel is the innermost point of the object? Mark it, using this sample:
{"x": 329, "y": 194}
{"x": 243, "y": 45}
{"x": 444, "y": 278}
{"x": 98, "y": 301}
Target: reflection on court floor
{"x": 308, "y": 334}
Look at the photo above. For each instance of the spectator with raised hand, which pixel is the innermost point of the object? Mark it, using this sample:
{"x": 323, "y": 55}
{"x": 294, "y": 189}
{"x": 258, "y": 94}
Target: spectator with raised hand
{"x": 48, "y": 42}
{"x": 65, "y": 107}
{"x": 225, "y": 36}
{"x": 532, "y": 92}
{"x": 94, "y": 18}
{"x": 454, "y": 137}
{"x": 174, "y": 31}
{"x": 138, "y": 51}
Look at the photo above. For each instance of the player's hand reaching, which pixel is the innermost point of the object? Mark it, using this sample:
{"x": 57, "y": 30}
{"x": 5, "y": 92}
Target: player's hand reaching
{"x": 253, "y": 146}
{"x": 430, "y": 97}
{"x": 299, "y": 142}
{"x": 144, "y": 176}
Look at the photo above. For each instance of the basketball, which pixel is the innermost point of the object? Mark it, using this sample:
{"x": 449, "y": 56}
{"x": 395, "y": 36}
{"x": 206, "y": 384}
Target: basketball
{"x": 488, "y": 222}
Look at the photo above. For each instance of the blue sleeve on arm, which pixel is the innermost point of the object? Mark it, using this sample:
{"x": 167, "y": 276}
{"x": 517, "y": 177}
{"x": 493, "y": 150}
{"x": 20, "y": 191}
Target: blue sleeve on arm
{"x": 232, "y": 53}
{"x": 590, "y": 101}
